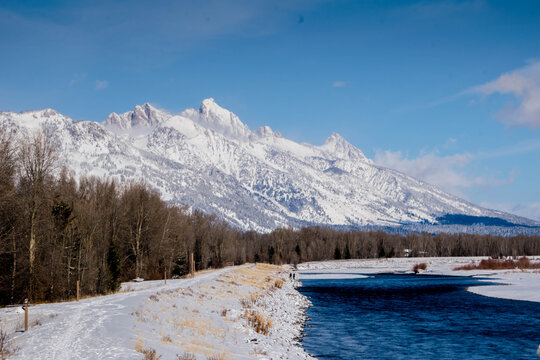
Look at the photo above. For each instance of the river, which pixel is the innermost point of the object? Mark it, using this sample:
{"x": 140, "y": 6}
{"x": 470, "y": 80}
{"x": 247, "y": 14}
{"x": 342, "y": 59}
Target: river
{"x": 404, "y": 316}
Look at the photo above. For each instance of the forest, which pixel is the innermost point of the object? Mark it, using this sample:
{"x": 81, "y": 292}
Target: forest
{"x": 57, "y": 229}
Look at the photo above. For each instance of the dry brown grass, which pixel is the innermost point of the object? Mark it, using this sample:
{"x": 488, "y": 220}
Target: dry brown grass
{"x": 139, "y": 344}
{"x": 217, "y": 357}
{"x": 419, "y": 267}
{"x": 258, "y": 321}
{"x": 249, "y": 302}
{"x": 255, "y": 276}
{"x": 492, "y": 264}
{"x": 259, "y": 351}
{"x": 186, "y": 356}
{"x": 6, "y": 349}
{"x": 196, "y": 346}
{"x": 198, "y": 324}
{"x": 150, "y": 354}
{"x": 166, "y": 339}
{"x": 189, "y": 320}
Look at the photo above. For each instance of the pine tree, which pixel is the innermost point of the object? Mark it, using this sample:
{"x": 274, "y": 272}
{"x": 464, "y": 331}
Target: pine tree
{"x": 347, "y": 252}
{"x": 113, "y": 262}
{"x": 337, "y": 253}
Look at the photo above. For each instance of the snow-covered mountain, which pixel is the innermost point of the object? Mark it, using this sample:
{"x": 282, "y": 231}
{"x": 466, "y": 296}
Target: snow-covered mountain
{"x": 258, "y": 180}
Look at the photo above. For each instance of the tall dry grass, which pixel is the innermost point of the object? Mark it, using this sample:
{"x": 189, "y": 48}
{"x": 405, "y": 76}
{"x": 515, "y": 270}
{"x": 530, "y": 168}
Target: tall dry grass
{"x": 493, "y": 264}
{"x": 419, "y": 267}
{"x": 258, "y": 321}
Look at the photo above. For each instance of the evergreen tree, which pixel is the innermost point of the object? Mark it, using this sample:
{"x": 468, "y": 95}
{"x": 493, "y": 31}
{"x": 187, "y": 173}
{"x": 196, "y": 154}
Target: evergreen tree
{"x": 113, "y": 263}
{"x": 337, "y": 253}
{"x": 347, "y": 252}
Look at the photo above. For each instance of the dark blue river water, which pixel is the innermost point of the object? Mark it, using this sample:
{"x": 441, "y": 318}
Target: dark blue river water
{"x": 392, "y": 316}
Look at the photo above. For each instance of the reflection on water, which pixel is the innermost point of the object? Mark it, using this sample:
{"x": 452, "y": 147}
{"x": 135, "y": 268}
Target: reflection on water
{"x": 416, "y": 317}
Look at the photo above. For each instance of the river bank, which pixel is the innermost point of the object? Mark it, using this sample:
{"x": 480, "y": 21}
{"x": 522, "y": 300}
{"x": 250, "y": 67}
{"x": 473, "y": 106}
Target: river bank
{"x": 243, "y": 312}
{"x": 520, "y": 284}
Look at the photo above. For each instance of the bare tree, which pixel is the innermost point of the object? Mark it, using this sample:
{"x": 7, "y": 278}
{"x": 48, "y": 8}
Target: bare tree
{"x": 7, "y": 186}
{"x": 37, "y": 158}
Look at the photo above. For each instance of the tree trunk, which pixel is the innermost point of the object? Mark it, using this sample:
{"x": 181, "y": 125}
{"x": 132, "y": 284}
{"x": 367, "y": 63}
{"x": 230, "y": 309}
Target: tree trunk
{"x": 14, "y": 269}
{"x": 32, "y": 245}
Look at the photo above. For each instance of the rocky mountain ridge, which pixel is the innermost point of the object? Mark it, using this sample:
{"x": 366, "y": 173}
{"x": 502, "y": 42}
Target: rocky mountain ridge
{"x": 256, "y": 180}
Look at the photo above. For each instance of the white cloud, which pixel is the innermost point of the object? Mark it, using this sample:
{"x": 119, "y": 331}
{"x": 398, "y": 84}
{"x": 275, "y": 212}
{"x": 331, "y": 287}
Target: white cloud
{"x": 76, "y": 79}
{"x": 531, "y": 211}
{"x": 450, "y": 142}
{"x": 524, "y": 85}
{"x": 101, "y": 84}
{"x": 448, "y": 172}
{"x": 445, "y": 172}
{"x": 338, "y": 84}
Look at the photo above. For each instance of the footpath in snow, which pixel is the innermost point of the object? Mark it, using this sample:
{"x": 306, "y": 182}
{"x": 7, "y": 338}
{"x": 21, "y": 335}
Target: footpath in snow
{"x": 517, "y": 284}
{"x": 246, "y": 312}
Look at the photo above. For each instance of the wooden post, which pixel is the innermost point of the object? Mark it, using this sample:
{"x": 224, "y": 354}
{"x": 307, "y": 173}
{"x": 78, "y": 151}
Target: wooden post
{"x": 25, "y": 315}
{"x": 165, "y": 277}
{"x": 78, "y": 290}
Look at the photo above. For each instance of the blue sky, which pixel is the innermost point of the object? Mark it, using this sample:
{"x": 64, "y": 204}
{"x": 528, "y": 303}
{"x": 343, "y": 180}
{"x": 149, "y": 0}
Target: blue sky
{"x": 447, "y": 91}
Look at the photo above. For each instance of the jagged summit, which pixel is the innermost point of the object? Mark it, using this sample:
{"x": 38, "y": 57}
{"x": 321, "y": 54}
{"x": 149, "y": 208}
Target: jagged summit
{"x": 336, "y": 145}
{"x": 141, "y": 116}
{"x": 43, "y": 112}
{"x": 215, "y": 117}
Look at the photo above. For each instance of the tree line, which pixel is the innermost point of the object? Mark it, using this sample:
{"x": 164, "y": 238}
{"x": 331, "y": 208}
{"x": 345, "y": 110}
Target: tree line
{"x": 57, "y": 229}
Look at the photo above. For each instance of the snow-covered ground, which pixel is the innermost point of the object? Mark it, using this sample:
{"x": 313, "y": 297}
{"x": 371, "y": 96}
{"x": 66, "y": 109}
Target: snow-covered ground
{"x": 206, "y": 316}
{"x": 518, "y": 284}
{"x": 209, "y": 315}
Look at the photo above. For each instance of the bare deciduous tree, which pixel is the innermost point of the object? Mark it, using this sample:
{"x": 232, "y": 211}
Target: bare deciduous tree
{"x": 37, "y": 158}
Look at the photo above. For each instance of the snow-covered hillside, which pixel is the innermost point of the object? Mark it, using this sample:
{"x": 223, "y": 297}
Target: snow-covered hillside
{"x": 254, "y": 179}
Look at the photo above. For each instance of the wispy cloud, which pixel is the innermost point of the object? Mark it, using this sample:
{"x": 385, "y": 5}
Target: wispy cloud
{"x": 101, "y": 84}
{"x": 338, "y": 84}
{"x": 432, "y": 104}
{"x": 449, "y": 172}
{"x": 524, "y": 86}
{"x": 450, "y": 142}
{"x": 446, "y": 171}
{"x": 531, "y": 210}
{"x": 77, "y": 78}
{"x": 174, "y": 26}
{"x": 523, "y": 147}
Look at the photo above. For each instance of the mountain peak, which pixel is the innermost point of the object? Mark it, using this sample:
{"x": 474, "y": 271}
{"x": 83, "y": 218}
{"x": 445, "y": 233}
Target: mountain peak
{"x": 208, "y": 101}
{"x": 215, "y": 117}
{"x": 48, "y": 112}
{"x": 336, "y": 145}
{"x": 144, "y": 115}
{"x": 335, "y": 138}
{"x": 266, "y": 132}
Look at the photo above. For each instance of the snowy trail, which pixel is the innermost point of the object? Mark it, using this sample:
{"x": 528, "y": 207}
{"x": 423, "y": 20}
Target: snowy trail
{"x": 95, "y": 328}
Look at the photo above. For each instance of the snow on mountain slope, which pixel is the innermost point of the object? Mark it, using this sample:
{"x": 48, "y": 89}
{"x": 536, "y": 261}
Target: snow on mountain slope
{"x": 211, "y": 161}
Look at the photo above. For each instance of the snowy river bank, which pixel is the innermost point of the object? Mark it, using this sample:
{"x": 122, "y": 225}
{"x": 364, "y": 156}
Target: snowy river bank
{"x": 242, "y": 312}
{"x": 520, "y": 284}
{"x": 246, "y": 312}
